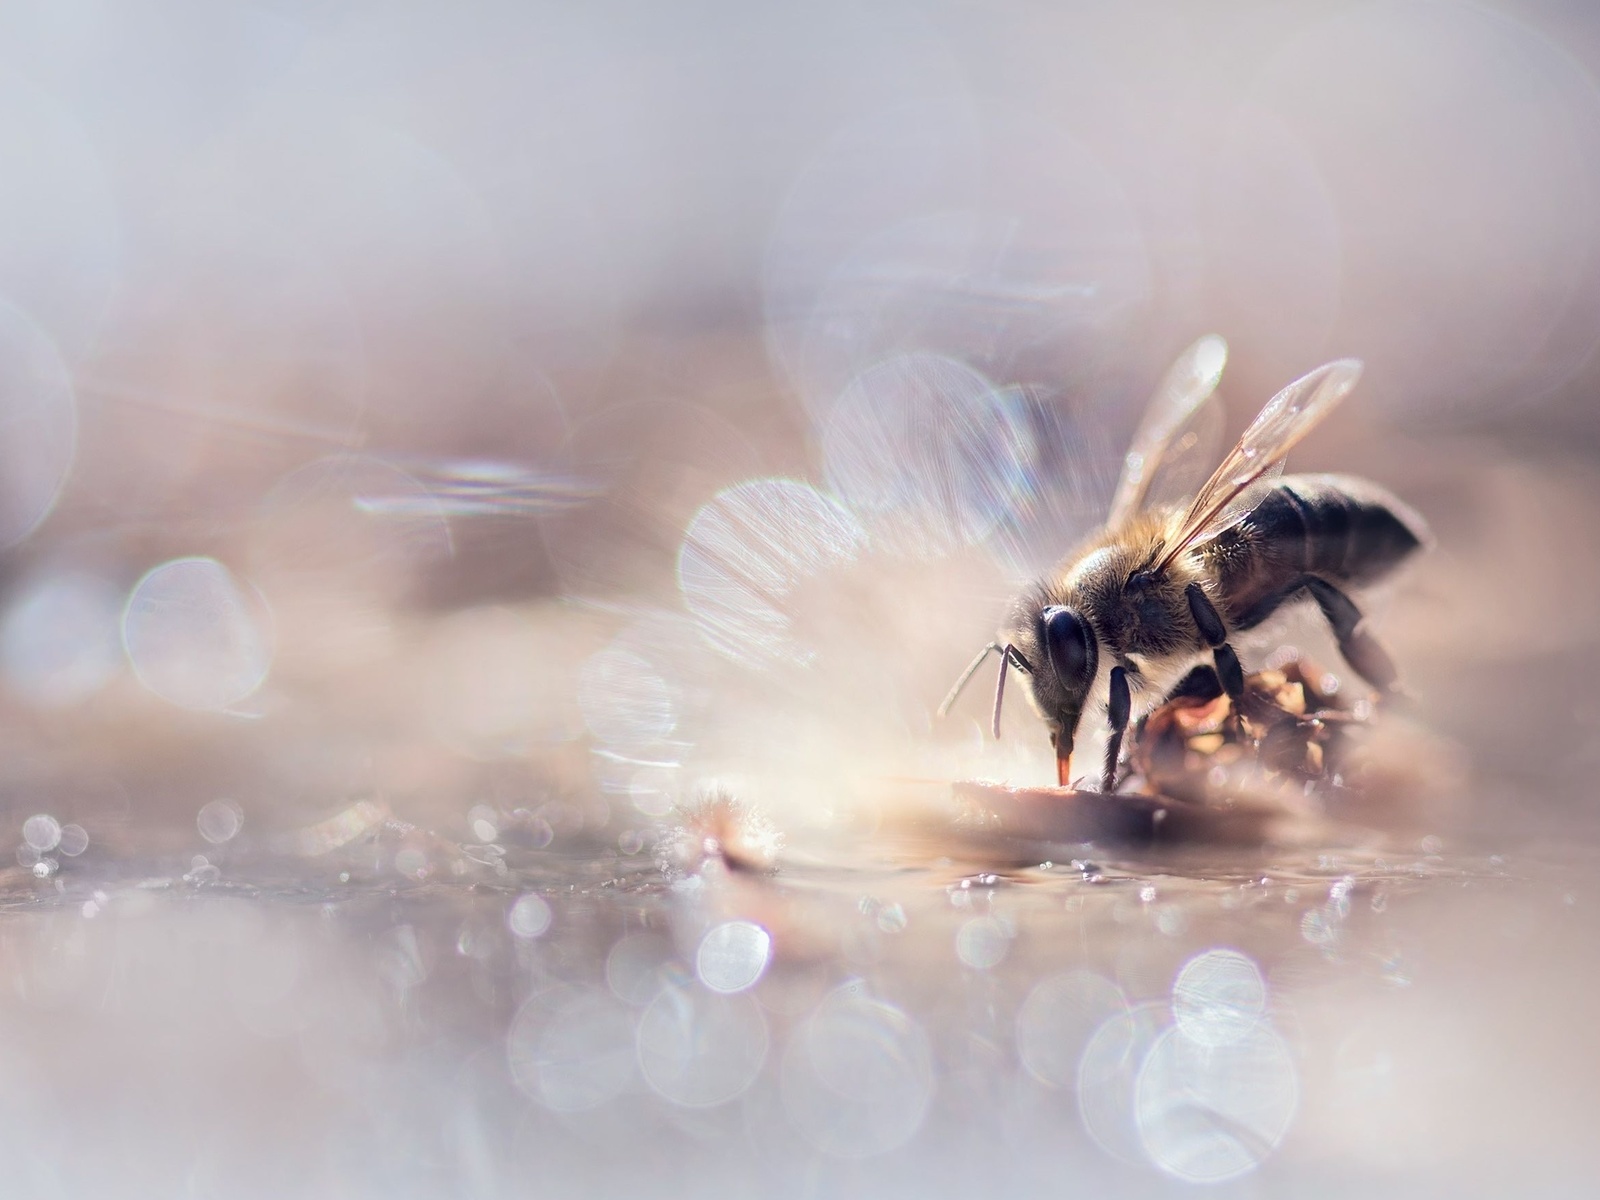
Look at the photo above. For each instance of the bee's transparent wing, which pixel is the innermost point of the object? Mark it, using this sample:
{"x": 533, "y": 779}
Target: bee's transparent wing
{"x": 1173, "y": 437}
{"x": 1235, "y": 487}
{"x": 1190, "y": 456}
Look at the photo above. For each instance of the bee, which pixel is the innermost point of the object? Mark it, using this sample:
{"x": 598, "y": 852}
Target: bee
{"x": 1121, "y": 623}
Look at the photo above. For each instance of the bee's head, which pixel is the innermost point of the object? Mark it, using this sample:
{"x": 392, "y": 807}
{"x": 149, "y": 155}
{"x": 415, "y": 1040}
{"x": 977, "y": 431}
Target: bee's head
{"x": 1065, "y": 658}
{"x": 1070, "y": 657}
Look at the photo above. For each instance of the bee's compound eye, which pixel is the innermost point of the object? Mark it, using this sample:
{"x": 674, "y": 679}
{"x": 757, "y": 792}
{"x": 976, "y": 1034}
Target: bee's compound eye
{"x": 1070, "y": 647}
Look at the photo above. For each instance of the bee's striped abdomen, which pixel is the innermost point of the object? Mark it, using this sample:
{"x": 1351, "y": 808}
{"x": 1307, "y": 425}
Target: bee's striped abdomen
{"x": 1339, "y": 528}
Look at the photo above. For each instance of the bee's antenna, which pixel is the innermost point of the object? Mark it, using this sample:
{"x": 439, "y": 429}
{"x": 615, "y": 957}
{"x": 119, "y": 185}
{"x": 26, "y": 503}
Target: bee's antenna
{"x": 1000, "y": 688}
{"x": 972, "y": 667}
{"x": 1010, "y": 656}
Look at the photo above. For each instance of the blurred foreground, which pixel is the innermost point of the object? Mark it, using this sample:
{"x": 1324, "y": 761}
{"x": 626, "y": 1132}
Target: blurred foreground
{"x": 1324, "y": 1024}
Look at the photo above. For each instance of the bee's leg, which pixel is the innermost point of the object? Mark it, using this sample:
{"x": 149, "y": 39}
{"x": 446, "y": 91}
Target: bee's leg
{"x": 1117, "y": 710}
{"x": 1215, "y": 633}
{"x": 1360, "y": 649}
{"x": 1199, "y": 684}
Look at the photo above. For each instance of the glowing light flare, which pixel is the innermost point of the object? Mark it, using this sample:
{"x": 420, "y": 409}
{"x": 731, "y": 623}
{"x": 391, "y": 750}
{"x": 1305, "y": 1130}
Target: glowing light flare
{"x": 699, "y": 1049}
{"x": 858, "y": 1076}
{"x": 744, "y": 554}
{"x": 1210, "y": 1113}
{"x": 1056, "y": 1021}
{"x": 219, "y": 821}
{"x": 42, "y": 833}
{"x": 571, "y": 1049}
{"x": 1218, "y": 997}
{"x": 654, "y": 790}
{"x": 530, "y": 916}
{"x": 636, "y": 966}
{"x": 60, "y": 640}
{"x": 38, "y": 424}
{"x": 927, "y": 454}
{"x": 625, "y": 702}
{"x": 195, "y": 636}
{"x": 732, "y": 956}
{"x": 982, "y": 943}
{"x": 1108, "y": 1074}
{"x": 482, "y": 488}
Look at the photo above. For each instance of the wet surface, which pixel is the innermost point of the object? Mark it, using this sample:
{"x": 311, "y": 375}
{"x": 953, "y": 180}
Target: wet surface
{"x": 1403, "y": 1021}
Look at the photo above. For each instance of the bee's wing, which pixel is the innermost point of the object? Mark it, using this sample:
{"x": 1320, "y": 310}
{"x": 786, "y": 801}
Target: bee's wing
{"x": 1289, "y": 416}
{"x": 1172, "y": 428}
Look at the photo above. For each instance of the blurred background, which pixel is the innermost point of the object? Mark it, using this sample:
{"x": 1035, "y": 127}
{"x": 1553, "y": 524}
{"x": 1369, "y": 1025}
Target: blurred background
{"x": 449, "y": 438}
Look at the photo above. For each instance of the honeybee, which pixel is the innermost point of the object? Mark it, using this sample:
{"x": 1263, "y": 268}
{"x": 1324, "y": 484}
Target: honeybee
{"x": 1120, "y": 623}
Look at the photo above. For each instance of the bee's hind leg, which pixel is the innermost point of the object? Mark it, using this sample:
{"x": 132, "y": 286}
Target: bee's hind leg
{"x": 1209, "y": 622}
{"x": 1361, "y": 650}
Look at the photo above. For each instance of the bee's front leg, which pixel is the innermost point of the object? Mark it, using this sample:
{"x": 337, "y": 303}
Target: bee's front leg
{"x": 1209, "y": 622}
{"x": 1117, "y": 710}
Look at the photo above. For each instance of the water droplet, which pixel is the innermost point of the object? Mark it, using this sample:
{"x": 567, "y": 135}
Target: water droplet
{"x": 74, "y": 840}
{"x": 1218, "y": 997}
{"x": 857, "y": 1078}
{"x": 1057, "y": 1020}
{"x": 482, "y": 823}
{"x": 571, "y": 1049}
{"x": 219, "y": 821}
{"x": 733, "y": 955}
{"x": 1209, "y": 1113}
{"x": 636, "y": 966}
{"x": 529, "y": 916}
{"x": 195, "y": 636}
{"x": 1107, "y": 1077}
{"x": 42, "y": 832}
{"x": 981, "y": 943}
{"x": 699, "y": 1049}
{"x": 1316, "y": 928}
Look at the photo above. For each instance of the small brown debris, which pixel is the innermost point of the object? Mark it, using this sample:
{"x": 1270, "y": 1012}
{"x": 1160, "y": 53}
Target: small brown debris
{"x": 1201, "y": 771}
{"x": 1288, "y": 730}
{"x": 718, "y": 828}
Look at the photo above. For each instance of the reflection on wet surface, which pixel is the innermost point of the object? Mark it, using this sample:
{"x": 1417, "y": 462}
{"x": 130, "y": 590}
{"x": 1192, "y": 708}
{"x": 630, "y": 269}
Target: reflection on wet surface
{"x": 398, "y": 1015}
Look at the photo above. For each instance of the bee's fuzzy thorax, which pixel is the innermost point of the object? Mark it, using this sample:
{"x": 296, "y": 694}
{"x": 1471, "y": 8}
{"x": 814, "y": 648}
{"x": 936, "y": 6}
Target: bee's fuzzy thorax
{"x": 1140, "y": 620}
